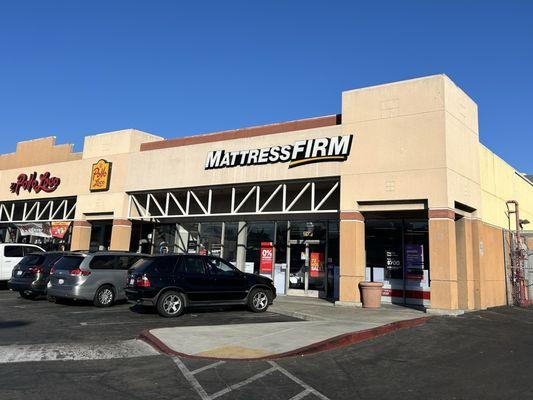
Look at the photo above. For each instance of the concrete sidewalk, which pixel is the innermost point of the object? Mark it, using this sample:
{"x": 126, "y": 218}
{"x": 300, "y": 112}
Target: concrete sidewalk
{"x": 323, "y": 326}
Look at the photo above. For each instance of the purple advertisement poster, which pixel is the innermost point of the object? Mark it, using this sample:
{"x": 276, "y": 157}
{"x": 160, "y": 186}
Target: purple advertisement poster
{"x": 414, "y": 261}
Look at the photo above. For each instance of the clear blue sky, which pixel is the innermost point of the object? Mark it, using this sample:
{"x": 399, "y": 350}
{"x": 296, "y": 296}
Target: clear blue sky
{"x": 176, "y": 68}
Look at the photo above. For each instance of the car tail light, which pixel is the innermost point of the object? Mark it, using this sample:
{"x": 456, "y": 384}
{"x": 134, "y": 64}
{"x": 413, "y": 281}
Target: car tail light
{"x": 52, "y": 270}
{"x": 143, "y": 281}
{"x": 38, "y": 269}
{"x": 79, "y": 272}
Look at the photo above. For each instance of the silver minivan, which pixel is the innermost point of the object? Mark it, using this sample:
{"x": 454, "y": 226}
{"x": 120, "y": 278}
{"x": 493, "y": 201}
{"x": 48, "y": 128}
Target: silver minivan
{"x": 97, "y": 277}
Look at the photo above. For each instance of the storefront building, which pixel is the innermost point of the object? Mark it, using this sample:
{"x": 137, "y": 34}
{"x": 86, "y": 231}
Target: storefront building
{"x": 396, "y": 188}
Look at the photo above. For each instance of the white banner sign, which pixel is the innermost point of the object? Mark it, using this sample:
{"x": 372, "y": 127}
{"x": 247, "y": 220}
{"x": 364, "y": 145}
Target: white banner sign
{"x": 41, "y": 229}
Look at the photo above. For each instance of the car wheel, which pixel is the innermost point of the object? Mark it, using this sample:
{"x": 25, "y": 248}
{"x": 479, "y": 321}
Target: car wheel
{"x": 28, "y": 295}
{"x": 258, "y": 300}
{"x": 171, "y": 304}
{"x": 104, "y": 297}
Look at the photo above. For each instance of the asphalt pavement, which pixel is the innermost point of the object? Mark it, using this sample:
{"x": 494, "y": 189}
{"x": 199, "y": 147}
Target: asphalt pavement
{"x": 39, "y": 321}
{"x": 481, "y": 355}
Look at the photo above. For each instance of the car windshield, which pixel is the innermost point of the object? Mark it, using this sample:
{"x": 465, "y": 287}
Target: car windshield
{"x": 68, "y": 262}
{"x": 32, "y": 259}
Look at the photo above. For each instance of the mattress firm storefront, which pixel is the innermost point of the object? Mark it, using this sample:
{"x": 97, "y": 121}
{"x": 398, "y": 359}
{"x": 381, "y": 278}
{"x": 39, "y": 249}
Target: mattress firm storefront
{"x": 286, "y": 230}
{"x": 396, "y": 188}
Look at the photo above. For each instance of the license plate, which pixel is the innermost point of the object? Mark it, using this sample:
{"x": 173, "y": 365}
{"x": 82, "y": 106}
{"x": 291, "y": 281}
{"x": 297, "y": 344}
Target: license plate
{"x": 61, "y": 281}
{"x": 19, "y": 273}
{"x": 132, "y": 281}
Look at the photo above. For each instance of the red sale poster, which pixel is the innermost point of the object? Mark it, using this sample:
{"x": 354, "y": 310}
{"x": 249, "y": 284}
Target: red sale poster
{"x": 266, "y": 258}
{"x": 316, "y": 262}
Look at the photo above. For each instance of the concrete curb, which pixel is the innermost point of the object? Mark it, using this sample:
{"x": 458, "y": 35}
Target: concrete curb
{"x": 328, "y": 344}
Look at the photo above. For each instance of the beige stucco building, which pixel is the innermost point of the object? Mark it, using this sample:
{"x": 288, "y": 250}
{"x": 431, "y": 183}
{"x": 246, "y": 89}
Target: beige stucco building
{"x": 413, "y": 199}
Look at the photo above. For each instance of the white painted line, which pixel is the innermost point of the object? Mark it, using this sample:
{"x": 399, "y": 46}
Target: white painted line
{"x": 214, "y": 365}
{"x": 190, "y": 376}
{"x": 112, "y": 323}
{"x": 243, "y": 383}
{"x": 298, "y": 381}
{"x": 192, "y": 380}
{"x": 75, "y": 351}
{"x": 99, "y": 311}
{"x": 301, "y": 395}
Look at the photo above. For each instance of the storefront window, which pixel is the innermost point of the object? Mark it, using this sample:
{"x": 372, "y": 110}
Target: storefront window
{"x": 384, "y": 250}
{"x": 308, "y": 249}
{"x": 397, "y": 254}
{"x": 189, "y": 233}
{"x": 211, "y": 238}
{"x": 163, "y": 240}
{"x": 261, "y": 235}
{"x": 229, "y": 250}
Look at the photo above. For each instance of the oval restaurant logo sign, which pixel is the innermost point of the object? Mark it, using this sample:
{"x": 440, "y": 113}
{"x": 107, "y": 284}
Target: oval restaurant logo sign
{"x": 45, "y": 183}
{"x": 336, "y": 148}
{"x": 100, "y": 176}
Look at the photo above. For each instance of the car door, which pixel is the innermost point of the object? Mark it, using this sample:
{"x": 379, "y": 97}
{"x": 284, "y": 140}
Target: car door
{"x": 228, "y": 282}
{"x": 13, "y": 253}
{"x": 194, "y": 280}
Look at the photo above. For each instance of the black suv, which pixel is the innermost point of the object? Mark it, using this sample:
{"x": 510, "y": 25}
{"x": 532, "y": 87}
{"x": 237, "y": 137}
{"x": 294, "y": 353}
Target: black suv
{"x": 174, "y": 282}
{"x": 31, "y": 275}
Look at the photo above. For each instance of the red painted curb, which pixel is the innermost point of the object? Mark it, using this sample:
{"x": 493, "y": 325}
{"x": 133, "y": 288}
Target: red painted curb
{"x": 328, "y": 344}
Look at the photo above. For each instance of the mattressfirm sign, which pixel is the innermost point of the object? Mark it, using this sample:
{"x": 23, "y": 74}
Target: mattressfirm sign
{"x": 336, "y": 148}
{"x": 45, "y": 182}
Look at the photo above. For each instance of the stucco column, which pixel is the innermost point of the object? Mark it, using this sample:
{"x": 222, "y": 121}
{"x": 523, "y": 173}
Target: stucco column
{"x": 242, "y": 238}
{"x": 443, "y": 259}
{"x": 81, "y": 235}
{"x": 352, "y": 256}
{"x": 465, "y": 264}
{"x": 121, "y": 235}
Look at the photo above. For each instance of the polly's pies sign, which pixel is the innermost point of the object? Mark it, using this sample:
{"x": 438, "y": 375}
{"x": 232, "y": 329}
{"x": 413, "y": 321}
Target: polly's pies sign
{"x": 44, "y": 182}
{"x": 302, "y": 152}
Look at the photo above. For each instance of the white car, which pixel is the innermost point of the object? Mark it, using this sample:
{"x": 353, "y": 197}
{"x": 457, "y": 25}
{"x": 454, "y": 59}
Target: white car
{"x": 11, "y": 254}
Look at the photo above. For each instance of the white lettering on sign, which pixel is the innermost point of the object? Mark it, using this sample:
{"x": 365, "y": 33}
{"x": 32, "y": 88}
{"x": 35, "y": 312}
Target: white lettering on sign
{"x": 302, "y": 152}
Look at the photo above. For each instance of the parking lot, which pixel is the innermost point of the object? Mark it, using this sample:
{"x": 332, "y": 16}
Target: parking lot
{"x": 29, "y": 322}
{"x": 78, "y": 351}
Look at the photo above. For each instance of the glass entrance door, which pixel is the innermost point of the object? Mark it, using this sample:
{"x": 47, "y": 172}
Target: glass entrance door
{"x": 306, "y": 257}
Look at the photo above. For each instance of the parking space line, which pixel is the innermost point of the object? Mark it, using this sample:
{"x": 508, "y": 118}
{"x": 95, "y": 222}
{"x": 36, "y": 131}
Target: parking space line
{"x": 214, "y": 365}
{"x": 111, "y": 323}
{"x": 243, "y": 383}
{"x": 190, "y": 377}
{"x": 301, "y": 395}
{"x": 298, "y": 381}
{"x": 98, "y": 311}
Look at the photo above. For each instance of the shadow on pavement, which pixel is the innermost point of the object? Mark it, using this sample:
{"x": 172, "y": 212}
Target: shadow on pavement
{"x": 12, "y": 324}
